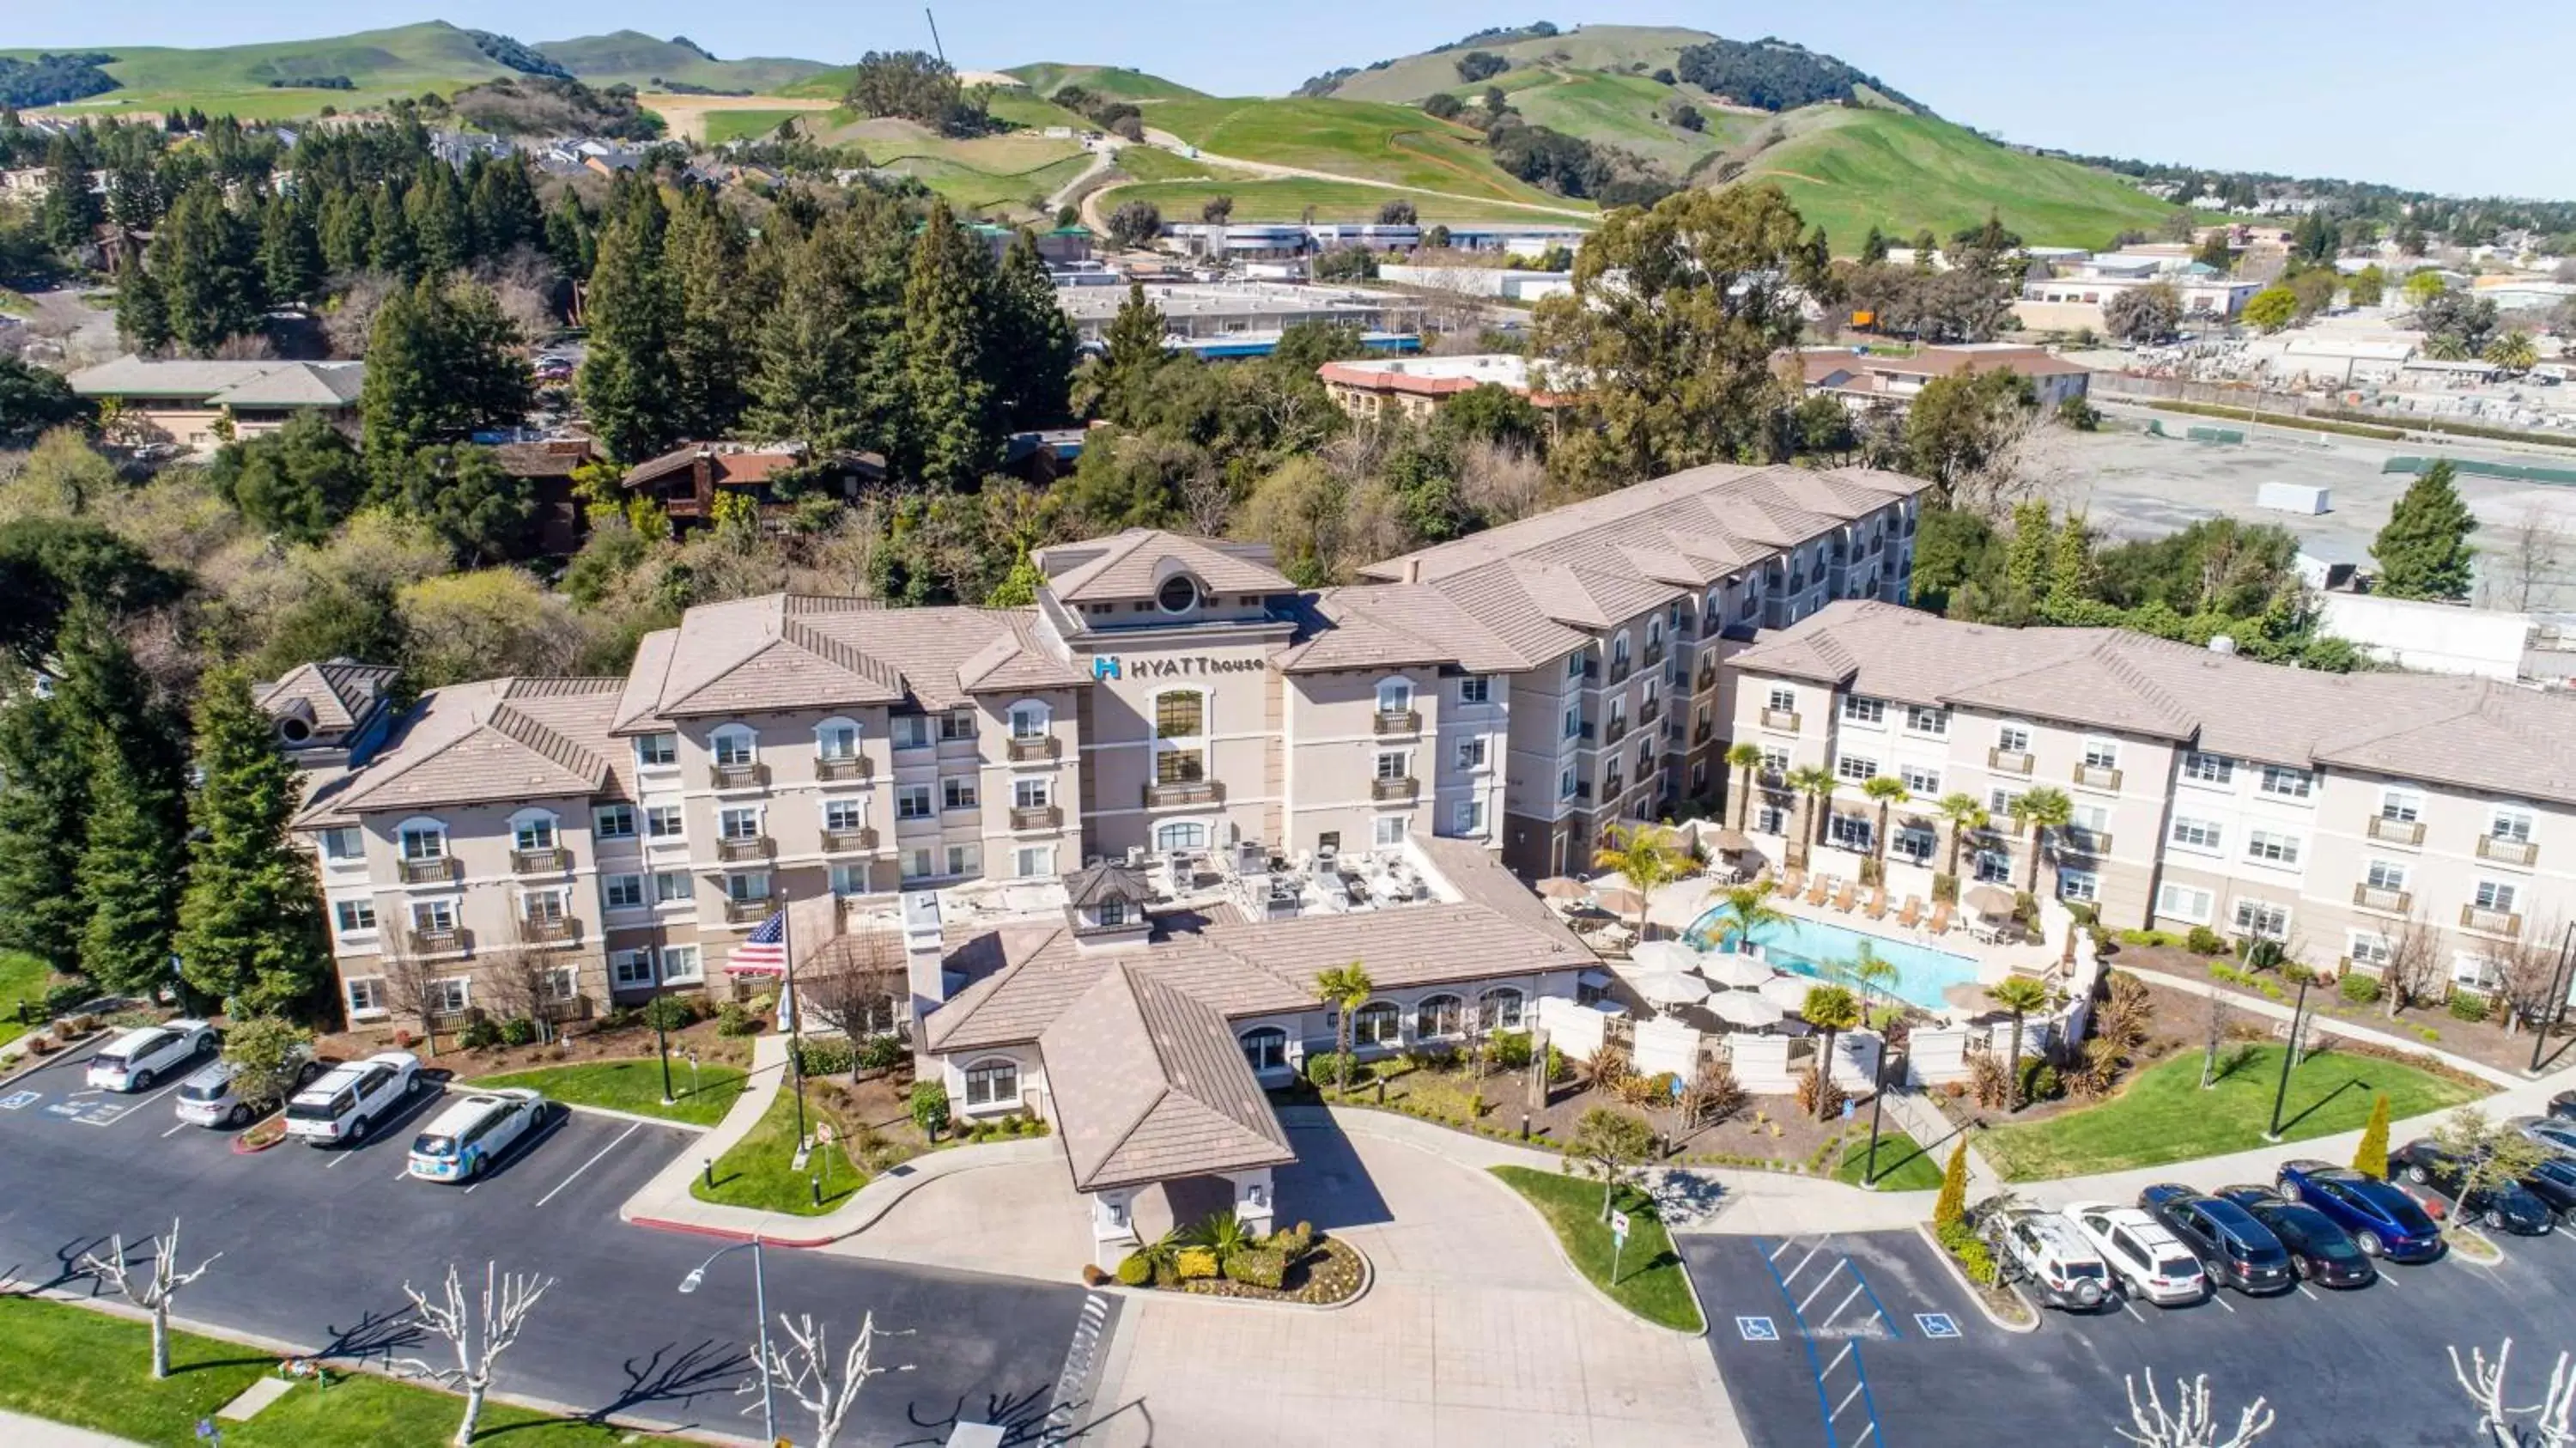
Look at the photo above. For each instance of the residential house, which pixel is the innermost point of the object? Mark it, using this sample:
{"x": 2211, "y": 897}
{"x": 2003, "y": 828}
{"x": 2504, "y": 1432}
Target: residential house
{"x": 200, "y": 405}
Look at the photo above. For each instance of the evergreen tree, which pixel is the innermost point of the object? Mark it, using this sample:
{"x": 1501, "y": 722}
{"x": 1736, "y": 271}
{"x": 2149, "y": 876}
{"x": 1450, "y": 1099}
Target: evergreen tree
{"x": 44, "y": 807}
{"x": 435, "y": 209}
{"x": 808, "y": 348}
{"x": 205, "y": 258}
{"x": 503, "y": 208}
{"x": 1135, "y": 354}
{"x": 127, "y": 877}
{"x": 1873, "y": 247}
{"x": 298, "y": 482}
{"x": 569, "y": 236}
{"x": 1951, "y": 1206}
{"x": 134, "y": 198}
{"x": 631, "y": 312}
{"x": 290, "y": 251}
{"x": 71, "y": 212}
{"x": 1030, "y": 360}
{"x": 347, "y": 244}
{"x": 250, "y": 923}
{"x": 2070, "y": 564}
{"x": 2424, "y": 551}
{"x": 142, "y": 317}
{"x": 2028, "y": 556}
{"x": 713, "y": 300}
{"x": 441, "y": 363}
{"x": 390, "y": 244}
{"x": 482, "y": 512}
{"x": 952, "y": 437}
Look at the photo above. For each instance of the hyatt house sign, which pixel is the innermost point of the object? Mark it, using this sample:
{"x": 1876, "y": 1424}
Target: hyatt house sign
{"x": 1110, "y": 666}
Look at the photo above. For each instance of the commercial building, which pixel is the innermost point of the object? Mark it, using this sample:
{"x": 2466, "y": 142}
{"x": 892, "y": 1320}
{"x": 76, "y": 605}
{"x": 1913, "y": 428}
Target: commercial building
{"x": 1865, "y": 379}
{"x": 1496, "y": 283}
{"x": 194, "y": 403}
{"x": 2348, "y": 813}
{"x": 1237, "y": 319}
{"x": 1417, "y": 386}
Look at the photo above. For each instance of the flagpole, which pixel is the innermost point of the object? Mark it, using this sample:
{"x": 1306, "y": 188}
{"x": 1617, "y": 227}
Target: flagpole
{"x": 795, "y": 1011}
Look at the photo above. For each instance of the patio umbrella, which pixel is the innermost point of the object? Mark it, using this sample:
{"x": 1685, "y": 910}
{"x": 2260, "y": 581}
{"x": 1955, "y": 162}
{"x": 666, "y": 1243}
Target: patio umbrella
{"x": 1619, "y": 901}
{"x": 1660, "y": 956}
{"x": 1735, "y": 971}
{"x": 1789, "y": 992}
{"x": 1668, "y": 988}
{"x": 1990, "y": 900}
{"x": 1560, "y": 887}
{"x": 1732, "y": 842}
{"x": 1743, "y": 1008}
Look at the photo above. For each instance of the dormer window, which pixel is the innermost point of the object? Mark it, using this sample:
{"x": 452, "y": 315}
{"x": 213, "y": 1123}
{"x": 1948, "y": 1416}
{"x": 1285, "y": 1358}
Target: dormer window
{"x": 1178, "y": 594}
{"x": 1113, "y": 912}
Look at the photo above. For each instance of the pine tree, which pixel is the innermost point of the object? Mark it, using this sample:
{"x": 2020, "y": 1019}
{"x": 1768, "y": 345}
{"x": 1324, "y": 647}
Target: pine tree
{"x": 435, "y": 208}
{"x": 2424, "y": 550}
{"x": 441, "y": 362}
{"x": 1952, "y": 1205}
{"x": 127, "y": 877}
{"x": 142, "y": 317}
{"x": 713, "y": 298}
{"x": 290, "y": 253}
{"x": 205, "y": 258}
{"x": 2028, "y": 555}
{"x": 44, "y": 807}
{"x": 1030, "y": 359}
{"x": 2070, "y": 564}
{"x": 1135, "y": 354}
{"x": 631, "y": 313}
{"x": 250, "y": 923}
{"x": 807, "y": 348}
{"x": 347, "y": 244}
{"x": 2370, "y": 1157}
{"x": 71, "y": 212}
{"x": 952, "y": 438}
{"x": 390, "y": 244}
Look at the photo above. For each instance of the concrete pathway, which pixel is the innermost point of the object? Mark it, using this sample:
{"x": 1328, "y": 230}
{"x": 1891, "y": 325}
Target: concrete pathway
{"x": 20, "y": 1431}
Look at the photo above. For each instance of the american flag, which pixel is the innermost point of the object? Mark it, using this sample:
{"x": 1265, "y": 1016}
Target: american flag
{"x": 764, "y": 950}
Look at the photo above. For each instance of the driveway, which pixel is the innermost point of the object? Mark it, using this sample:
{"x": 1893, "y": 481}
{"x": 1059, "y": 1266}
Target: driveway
{"x": 1474, "y": 1333}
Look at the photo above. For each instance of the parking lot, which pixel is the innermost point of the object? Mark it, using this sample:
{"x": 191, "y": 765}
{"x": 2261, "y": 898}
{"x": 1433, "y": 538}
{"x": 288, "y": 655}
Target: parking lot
{"x": 1907, "y": 1360}
{"x": 318, "y": 1243}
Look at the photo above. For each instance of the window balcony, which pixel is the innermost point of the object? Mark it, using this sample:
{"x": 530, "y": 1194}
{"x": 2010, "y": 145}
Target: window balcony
{"x": 1614, "y": 731}
{"x": 1703, "y": 734}
{"x": 550, "y": 930}
{"x": 843, "y": 770}
{"x": 2396, "y": 832}
{"x": 849, "y": 842}
{"x": 438, "y": 870}
{"x": 1781, "y": 719}
{"x": 744, "y": 850}
{"x": 1654, "y": 655}
{"x": 2097, "y": 776}
{"x": 2507, "y": 852}
{"x": 1384, "y": 790}
{"x": 1652, "y": 710}
{"x": 1176, "y": 793}
{"x": 1583, "y": 793}
{"x": 1705, "y": 680}
{"x": 737, "y": 776}
{"x": 450, "y": 941}
{"x": 1620, "y": 669}
{"x": 2096, "y": 843}
{"x": 1612, "y": 786}
{"x": 1032, "y": 748}
{"x": 1036, "y": 817}
{"x": 1587, "y": 731}
{"x": 739, "y": 911}
{"x": 1399, "y": 721}
{"x": 2008, "y": 761}
{"x": 2490, "y": 922}
{"x": 553, "y": 860}
{"x": 2386, "y": 901}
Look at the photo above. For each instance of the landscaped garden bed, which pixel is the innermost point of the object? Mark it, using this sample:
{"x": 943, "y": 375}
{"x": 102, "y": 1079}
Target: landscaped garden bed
{"x": 1650, "y": 1281}
{"x": 700, "y": 1095}
{"x": 1219, "y": 1258}
{"x": 690, "y": 1025}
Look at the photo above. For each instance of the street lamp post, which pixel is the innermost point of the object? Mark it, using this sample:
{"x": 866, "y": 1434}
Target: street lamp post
{"x": 2557, "y": 998}
{"x": 760, "y": 1307}
{"x": 1877, "y": 1098}
{"x": 662, "y": 1048}
{"x": 2289, "y": 1058}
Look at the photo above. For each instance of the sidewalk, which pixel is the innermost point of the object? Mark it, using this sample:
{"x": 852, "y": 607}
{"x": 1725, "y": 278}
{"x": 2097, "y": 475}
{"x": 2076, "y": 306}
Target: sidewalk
{"x": 2332, "y": 1026}
{"x": 20, "y": 1431}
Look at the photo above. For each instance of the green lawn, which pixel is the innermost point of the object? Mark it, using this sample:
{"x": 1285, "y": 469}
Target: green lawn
{"x": 22, "y": 978}
{"x": 2164, "y": 1116}
{"x": 1287, "y": 200}
{"x": 1115, "y": 82}
{"x": 1349, "y": 138}
{"x": 759, "y": 1171}
{"x": 78, "y": 1366}
{"x": 723, "y": 126}
{"x": 1902, "y": 1165}
{"x": 1651, "y": 1282}
{"x": 634, "y": 1086}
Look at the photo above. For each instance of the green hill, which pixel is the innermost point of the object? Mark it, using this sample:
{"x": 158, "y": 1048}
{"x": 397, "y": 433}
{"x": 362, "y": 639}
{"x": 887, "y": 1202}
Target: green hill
{"x": 1851, "y": 169}
{"x": 381, "y": 64}
{"x": 1394, "y": 144}
{"x": 1615, "y": 108}
{"x": 1586, "y": 47}
{"x": 633, "y": 58}
{"x": 1116, "y": 82}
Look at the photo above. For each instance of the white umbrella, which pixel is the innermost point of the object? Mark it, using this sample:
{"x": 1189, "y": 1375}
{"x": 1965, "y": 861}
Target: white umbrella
{"x": 1789, "y": 992}
{"x": 1744, "y": 1008}
{"x": 1990, "y": 900}
{"x": 1734, "y": 970}
{"x": 1669, "y": 987}
{"x": 1659, "y": 956}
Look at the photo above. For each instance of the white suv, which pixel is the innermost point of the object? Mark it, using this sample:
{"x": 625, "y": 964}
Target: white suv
{"x": 133, "y": 1061}
{"x": 2149, "y": 1261}
{"x": 2053, "y": 1255}
{"x": 344, "y": 1105}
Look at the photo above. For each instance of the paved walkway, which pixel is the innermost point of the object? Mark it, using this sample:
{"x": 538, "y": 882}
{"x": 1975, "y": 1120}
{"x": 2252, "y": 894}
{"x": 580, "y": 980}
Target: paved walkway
{"x": 20, "y": 1431}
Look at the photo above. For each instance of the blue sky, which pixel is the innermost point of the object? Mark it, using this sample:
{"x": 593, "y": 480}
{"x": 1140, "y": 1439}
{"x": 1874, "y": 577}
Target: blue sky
{"x": 2370, "y": 89}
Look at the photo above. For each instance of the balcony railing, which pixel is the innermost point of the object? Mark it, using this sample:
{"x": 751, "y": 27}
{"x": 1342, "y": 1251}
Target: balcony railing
{"x": 438, "y": 870}
{"x": 2096, "y": 843}
{"x": 737, "y": 776}
{"x": 1175, "y": 793}
{"x": 835, "y": 770}
{"x": 1612, "y": 786}
{"x": 2396, "y": 832}
{"x": 1780, "y": 719}
{"x": 2490, "y": 922}
{"x": 1387, "y": 789}
{"x": 450, "y": 941}
{"x": 2008, "y": 761}
{"x": 1036, "y": 817}
{"x": 1032, "y": 748}
{"x": 743, "y": 849}
{"x": 1614, "y": 731}
{"x": 1398, "y": 721}
{"x": 1619, "y": 670}
{"x": 1704, "y": 681}
{"x": 549, "y": 930}
{"x": 1654, "y": 655}
{"x": 1703, "y": 734}
{"x": 738, "y": 911}
{"x": 2382, "y": 898}
{"x": 2097, "y": 776}
{"x": 849, "y": 842}
{"x": 1652, "y": 710}
{"x": 2507, "y": 852}
{"x": 553, "y": 860}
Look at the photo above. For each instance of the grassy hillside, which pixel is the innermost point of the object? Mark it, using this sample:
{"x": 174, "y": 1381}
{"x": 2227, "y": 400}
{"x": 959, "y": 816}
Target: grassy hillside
{"x": 1586, "y": 47}
{"x": 405, "y": 60}
{"x": 1395, "y": 144}
{"x": 1288, "y": 200}
{"x": 1021, "y": 108}
{"x": 722, "y": 126}
{"x": 1046, "y": 77}
{"x": 1621, "y": 110}
{"x": 637, "y": 59}
{"x": 1849, "y": 170}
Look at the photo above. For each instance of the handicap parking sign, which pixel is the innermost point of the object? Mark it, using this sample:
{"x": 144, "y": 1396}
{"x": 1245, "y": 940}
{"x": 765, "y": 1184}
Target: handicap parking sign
{"x": 1937, "y": 1324}
{"x": 20, "y": 1100}
{"x": 1757, "y": 1329}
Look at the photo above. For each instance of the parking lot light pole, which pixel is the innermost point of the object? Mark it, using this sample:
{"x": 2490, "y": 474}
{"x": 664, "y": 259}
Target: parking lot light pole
{"x": 2557, "y": 998}
{"x": 2289, "y": 1058}
{"x": 662, "y": 1048}
{"x": 1877, "y": 1098}
{"x": 760, "y": 1306}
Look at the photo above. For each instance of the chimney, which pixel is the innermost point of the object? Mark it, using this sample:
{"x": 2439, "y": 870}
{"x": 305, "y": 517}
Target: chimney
{"x": 1413, "y": 569}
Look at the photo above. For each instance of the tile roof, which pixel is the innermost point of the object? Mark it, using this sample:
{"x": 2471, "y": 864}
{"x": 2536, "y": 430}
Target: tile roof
{"x": 335, "y": 693}
{"x": 1134, "y": 563}
{"x": 1106, "y": 880}
{"x": 1387, "y": 624}
{"x": 790, "y": 651}
{"x": 494, "y": 741}
{"x": 1148, "y": 1084}
{"x": 728, "y": 464}
{"x": 220, "y": 384}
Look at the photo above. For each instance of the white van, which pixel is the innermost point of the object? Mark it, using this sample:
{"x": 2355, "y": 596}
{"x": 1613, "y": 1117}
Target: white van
{"x": 463, "y": 1141}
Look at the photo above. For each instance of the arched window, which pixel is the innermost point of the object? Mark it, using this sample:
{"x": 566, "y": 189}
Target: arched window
{"x": 1500, "y": 1010}
{"x": 1177, "y": 594}
{"x": 1440, "y": 1015}
{"x": 1265, "y": 1048}
{"x": 533, "y": 829}
{"x": 1028, "y": 719}
{"x": 422, "y": 838}
{"x": 1180, "y": 835}
{"x": 994, "y": 1082}
{"x": 836, "y": 739}
{"x": 1379, "y": 1023}
{"x": 1394, "y": 696}
{"x": 734, "y": 744}
{"x": 1619, "y": 649}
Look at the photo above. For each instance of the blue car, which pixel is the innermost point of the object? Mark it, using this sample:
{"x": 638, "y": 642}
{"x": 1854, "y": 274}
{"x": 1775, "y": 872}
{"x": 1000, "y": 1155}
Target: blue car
{"x": 2384, "y": 1221}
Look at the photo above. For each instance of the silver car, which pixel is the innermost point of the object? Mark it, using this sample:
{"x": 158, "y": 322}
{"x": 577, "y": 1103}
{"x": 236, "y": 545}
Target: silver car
{"x": 207, "y": 1098}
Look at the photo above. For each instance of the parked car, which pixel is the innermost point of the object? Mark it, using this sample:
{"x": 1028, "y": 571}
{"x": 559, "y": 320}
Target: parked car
{"x": 2384, "y": 1221}
{"x": 136, "y": 1059}
{"x": 2236, "y": 1250}
{"x": 462, "y": 1142}
{"x": 2047, "y": 1251}
{"x": 2562, "y": 1107}
{"x": 2554, "y": 1182}
{"x": 207, "y": 1098}
{"x": 2145, "y": 1259}
{"x": 2320, "y": 1251}
{"x": 2507, "y": 1207}
{"x": 2556, "y": 1133}
{"x": 343, "y": 1106}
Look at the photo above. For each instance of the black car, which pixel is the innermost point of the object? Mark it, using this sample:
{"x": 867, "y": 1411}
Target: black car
{"x": 2554, "y": 1182}
{"x": 2320, "y": 1251}
{"x": 2230, "y": 1243}
{"x": 2507, "y": 1208}
{"x": 2563, "y": 1105}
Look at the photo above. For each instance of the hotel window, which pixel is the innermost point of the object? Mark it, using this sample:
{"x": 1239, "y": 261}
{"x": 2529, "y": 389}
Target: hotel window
{"x": 1574, "y": 664}
{"x": 1775, "y": 760}
{"x": 1029, "y": 793}
{"x": 1573, "y": 721}
{"x": 993, "y": 1083}
{"x": 1500, "y": 1009}
{"x": 621, "y": 892}
{"x": 733, "y": 745}
{"x": 1180, "y": 835}
{"x": 2510, "y": 825}
{"x": 2386, "y": 875}
{"x": 366, "y": 997}
{"x": 841, "y": 816}
{"x": 1920, "y": 782}
{"x": 1439, "y": 1015}
{"x": 681, "y": 965}
{"x": 911, "y": 731}
{"x": 344, "y": 845}
{"x": 2271, "y": 848}
{"x": 1265, "y": 1049}
{"x": 1916, "y": 842}
{"x": 1033, "y": 862}
{"x": 1469, "y": 817}
{"x": 2286, "y": 782}
{"x": 664, "y": 822}
{"x": 613, "y": 822}
{"x": 1784, "y": 701}
{"x": 1475, "y": 689}
{"x": 542, "y": 907}
{"x": 2000, "y": 803}
{"x": 740, "y": 823}
{"x": 2082, "y": 885}
{"x": 2496, "y": 895}
{"x": 957, "y": 723}
{"x": 1112, "y": 912}
{"x": 836, "y": 739}
{"x": 1856, "y": 769}
{"x": 433, "y": 917}
{"x": 1394, "y": 763}
{"x": 657, "y": 751}
{"x": 2401, "y": 806}
{"x": 628, "y": 969}
{"x": 1028, "y": 721}
{"x": 912, "y": 802}
{"x": 1471, "y": 753}
{"x": 2261, "y": 921}
{"x": 1180, "y": 714}
{"x": 849, "y": 879}
{"x": 2368, "y": 948}
{"x": 449, "y": 995}
{"x": 1394, "y": 696}
{"x": 1389, "y": 830}
{"x": 965, "y": 859}
{"x": 1771, "y": 819}
{"x": 2208, "y": 836}
{"x": 2202, "y": 768}
{"x": 2182, "y": 902}
{"x": 956, "y": 792}
{"x": 2101, "y": 754}
{"x": 1849, "y": 832}
{"x": 2012, "y": 739}
{"x": 1619, "y": 651}
{"x": 916, "y": 863}
{"x": 747, "y": 886}
{"x": 354, "y": 917}
{"x": 1565, "y": 785}
{"x": 1925, "y": 719}
{"x": 1858, "y": 710}
{"x": 424, "y": 842}
{"x": 1379, "y": 1023}
{"x": 674, "y": 887}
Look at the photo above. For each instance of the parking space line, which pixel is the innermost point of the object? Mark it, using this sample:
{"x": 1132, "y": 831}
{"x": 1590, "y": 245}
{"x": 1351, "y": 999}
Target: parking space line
{"x": 174, "y": 1131}
{"x": 594, "y": 1161}
{"x": 157, "y": 1095}
{"x": 1838, "y": 1359}
{"x": 1809, "y": 1342}
{"x": 2304, "y": 1292}
{"x": 1783, "y": 1247}
{"x": 2388, "y": 1277}
{"x": 1836, "y": 1314}
{"x": 2220, "y": 1298}
{"x": 1886, "y": 1319}
{"x": 337, "y": 1157}
{"x": 2130, "y": 1308}
{"x": 1793, "y": 1272}
{"x": 1847, "y": 1400}
{"x": 1821, "y": 1284}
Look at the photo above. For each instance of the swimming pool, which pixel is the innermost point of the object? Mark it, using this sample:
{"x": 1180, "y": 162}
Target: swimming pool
{"x": 1806, "y": 946}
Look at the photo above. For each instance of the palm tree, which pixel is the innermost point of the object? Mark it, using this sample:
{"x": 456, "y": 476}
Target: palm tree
{"x": 1647, "y": 855}
{"x": 1345, "y": 988}
{"x": 2513, "y": 351}
{"x": 1746, "y": 758}
{"x": 1867, "y": 972}
{"x": 1750, "y": 904}
{"x": 1889, "y": 792}
{"x": 2446, "y": 347}
{"x": 1817, "y": 783}
{"x": 2043, "y": 809}
{"x": 2020, "y": 995}
{"x": 1832, "y": 1010}
{"x": 1963, "y": 814}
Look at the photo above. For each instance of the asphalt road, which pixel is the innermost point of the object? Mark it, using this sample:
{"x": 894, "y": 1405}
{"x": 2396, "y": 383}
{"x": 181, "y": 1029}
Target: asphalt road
{"x": 1860, "y": 1339}
{"x": 317, "y": 1245}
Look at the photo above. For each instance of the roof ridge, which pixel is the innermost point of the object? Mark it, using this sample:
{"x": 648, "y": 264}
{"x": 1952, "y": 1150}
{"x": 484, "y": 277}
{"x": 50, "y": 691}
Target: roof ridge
{"x": 531, "y": 734}
{"x": 845, "y": 657}
{"x": 2128, "y": 671}
{"x": 1126, "y": 976}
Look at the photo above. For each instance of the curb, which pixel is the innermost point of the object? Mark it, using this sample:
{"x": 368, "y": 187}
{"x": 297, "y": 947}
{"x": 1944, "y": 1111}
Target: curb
{"x": 729, "y": 1234}
{"x": 1961, "y": 1277}
{"x": 911, "y": 1183}
{"x": 637, "y": 1117}
{"x": 1599, "y": 1293}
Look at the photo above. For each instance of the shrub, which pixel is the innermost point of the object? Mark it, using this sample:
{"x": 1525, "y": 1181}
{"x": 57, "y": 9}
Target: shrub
{"x": 1964, "y": 1244}
{"x": 1292, "y": 1243}
{"x": 2146, "y": 937}
{"x": 1945, "y": 889}
{"x": 1324, "y": 1069}
{"x": 881, "y": 1053}
{"x": 2468, "y": 1006}
{"x": 2359, "y": 989}
{"x": 65, "y": 998}
{"x": 1257, "y": 1267}
{"x": 1195, "y": 1264}
{"x": 479, "y": 1033}
{"x": 1987, "y": 1081}
{"x": 930, "y": 1107}
{"x": 2298, "y": 973}
{"x": 2204, "y": 941}
{"x": 668, "y": 1013}
{"x": 1813, "y": 1083}
{"x": 1135, "y": 1269}
{"x": 1509, "y": 1049}
{"x": 733, "y": 1020}
{"x": 2039, "y": 1080}
{"x": 822, "y": 1058}
{"x": 518, "y": 1031}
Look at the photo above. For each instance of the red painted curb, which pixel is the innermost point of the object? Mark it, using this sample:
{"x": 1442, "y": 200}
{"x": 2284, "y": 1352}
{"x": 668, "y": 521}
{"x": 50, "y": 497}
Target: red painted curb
{"x": 728, "y": 1234}
{"x": 241, "y": 1150}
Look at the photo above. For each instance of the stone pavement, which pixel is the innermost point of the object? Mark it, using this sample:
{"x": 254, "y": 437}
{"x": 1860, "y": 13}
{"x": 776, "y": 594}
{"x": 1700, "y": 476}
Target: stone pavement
{"x": 20, "y": 1431}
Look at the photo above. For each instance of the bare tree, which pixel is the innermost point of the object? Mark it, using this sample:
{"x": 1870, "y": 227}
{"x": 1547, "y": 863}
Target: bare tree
{"x": 411, "y": 984}
{"x": 2483, "y": 1381}
{"x": 1209, "y": 502}
{"x": 514, "y": 981}
{"x": 855, "y": 988}
{"x": 1501, "y": 483}
{"x": 2526, "y": 971}
{"x": 350, "y": 324}
{"x": 480, "y": 1338}
{"x": 805, "y": 1371}
{"x": 2032, "y": 457}
{"x": 2190, "y": 1422}
{"x": 2531, "y": 561}
{"x": 2218, "y": 1008}
{"x": 2412, "y": 973}
{"x": 152, "y": 1293}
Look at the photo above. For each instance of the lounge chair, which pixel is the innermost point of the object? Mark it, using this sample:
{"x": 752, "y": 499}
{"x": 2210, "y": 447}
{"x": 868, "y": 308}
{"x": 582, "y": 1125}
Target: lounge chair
{"x": 1878, "y": 903}
{"x": 1791, "y": 882}
{"x": 1912, "y": 914}
{"x": 1824, "y": 887}
{"x": 1845, "y": 897}
{"x": 1940, "y": 917}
